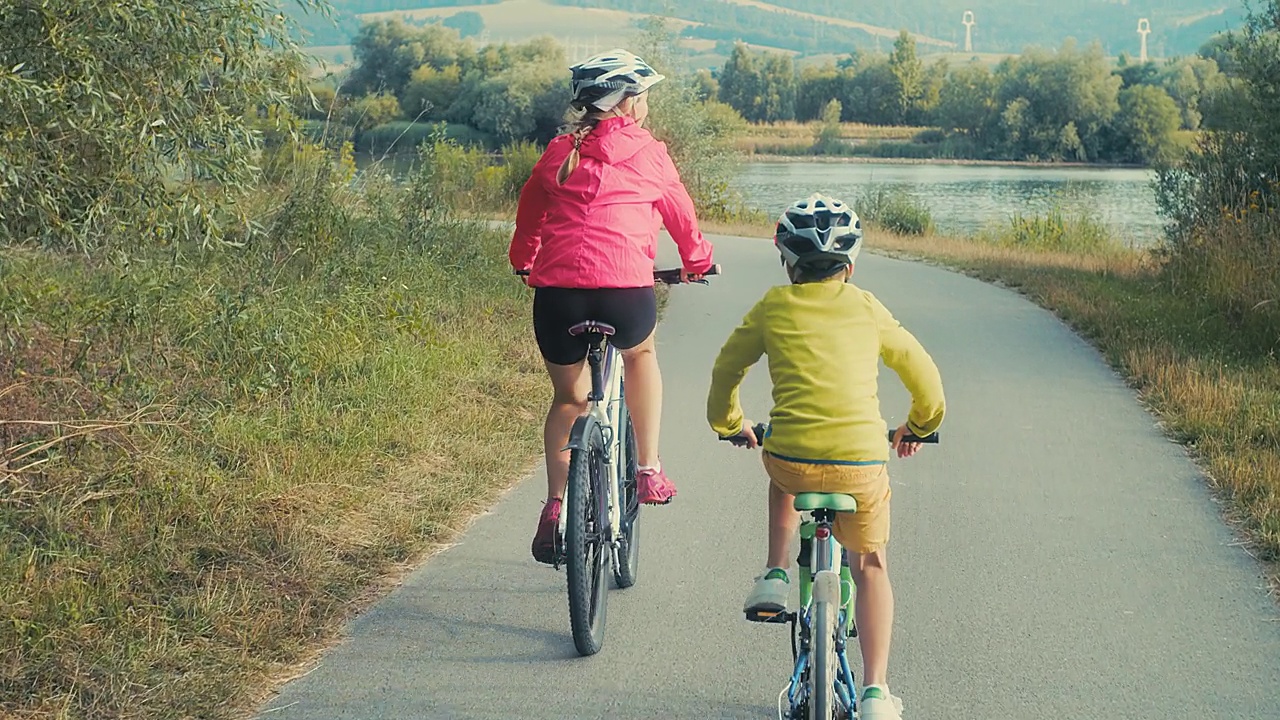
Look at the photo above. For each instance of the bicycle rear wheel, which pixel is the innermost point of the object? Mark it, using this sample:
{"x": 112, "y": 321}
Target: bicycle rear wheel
{"x": 822, "y": 671}
{"x": 586, "y": 545}
{"x": 624, "y": 573}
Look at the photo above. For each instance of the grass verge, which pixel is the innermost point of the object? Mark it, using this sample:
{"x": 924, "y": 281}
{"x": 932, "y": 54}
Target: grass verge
{"x": 208, "y": 459}
{"x": 1214, "y": 389}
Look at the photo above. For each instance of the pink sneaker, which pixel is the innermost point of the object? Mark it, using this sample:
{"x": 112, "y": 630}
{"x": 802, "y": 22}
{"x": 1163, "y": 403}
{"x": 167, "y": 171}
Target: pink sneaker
{"x": 654, "y": 487}
{"x": 545, "y": 540}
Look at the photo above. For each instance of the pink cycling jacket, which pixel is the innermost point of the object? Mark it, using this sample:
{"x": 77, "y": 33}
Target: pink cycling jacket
{"x": 600, "y": 229}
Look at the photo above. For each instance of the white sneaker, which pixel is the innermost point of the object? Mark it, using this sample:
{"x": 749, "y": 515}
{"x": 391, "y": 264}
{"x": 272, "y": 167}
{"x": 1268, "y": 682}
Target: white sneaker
{"x": 878, "y": 704}
{"x": 770, "y": 593}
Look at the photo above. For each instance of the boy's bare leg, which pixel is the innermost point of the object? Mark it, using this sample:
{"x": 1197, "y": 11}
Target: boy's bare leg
{"x": 784, "y": 522}
{"x": 873, "y": 612}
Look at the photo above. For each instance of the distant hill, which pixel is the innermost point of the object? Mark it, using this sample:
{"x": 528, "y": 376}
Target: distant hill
{"x": 1178, "y": 27}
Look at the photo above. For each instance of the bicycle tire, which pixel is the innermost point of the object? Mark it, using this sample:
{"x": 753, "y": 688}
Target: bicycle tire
{"x": 823, "y": 666}
{"x": 587, "y": 554}
{"x": 626, "y": 571}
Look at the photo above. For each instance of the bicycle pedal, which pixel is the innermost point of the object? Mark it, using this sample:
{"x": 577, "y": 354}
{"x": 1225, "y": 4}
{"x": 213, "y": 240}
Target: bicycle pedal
{"x": 767, "y": 616}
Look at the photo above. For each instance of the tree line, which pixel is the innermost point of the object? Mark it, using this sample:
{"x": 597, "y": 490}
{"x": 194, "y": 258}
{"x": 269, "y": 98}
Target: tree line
{"x": 1069, "y": 104}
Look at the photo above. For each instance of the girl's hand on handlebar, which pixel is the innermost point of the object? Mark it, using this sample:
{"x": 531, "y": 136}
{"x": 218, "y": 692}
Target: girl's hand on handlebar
{"x": 905, "y": 449}
{"x": 688, "y": 277}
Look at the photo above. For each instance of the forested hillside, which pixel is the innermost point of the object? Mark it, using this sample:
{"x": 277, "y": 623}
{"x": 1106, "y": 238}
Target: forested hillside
{"x": 1006, "y": 26}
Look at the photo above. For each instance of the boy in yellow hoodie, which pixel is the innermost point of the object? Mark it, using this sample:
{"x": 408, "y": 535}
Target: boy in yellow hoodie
{"x": 824, "y": 338}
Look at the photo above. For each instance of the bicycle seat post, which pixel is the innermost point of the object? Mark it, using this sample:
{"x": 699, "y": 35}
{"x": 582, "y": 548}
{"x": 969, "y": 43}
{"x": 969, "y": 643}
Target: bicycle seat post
{"x": 595, "y": 334}
{"x": 595, "y": 358}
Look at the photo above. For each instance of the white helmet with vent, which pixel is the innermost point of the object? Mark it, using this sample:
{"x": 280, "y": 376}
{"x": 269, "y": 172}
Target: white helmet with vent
{"x": 603, "y": 81}
{"x": 818, "y": 234}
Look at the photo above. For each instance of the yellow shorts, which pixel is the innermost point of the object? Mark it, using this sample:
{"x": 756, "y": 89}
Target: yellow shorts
{"x": 864, "y": 531}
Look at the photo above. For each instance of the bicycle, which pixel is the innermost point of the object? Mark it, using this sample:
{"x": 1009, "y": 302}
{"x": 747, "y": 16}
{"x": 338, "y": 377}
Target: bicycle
{"x": 821, "y": 685}
{"x": 599, "y": 520}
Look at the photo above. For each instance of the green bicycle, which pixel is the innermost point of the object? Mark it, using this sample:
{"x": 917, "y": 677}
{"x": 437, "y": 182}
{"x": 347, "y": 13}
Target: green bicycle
{"x": 821, "y": 685}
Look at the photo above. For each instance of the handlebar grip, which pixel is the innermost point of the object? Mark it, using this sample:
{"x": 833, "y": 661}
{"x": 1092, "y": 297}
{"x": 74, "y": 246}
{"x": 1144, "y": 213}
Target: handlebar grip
{"x": 759, "y": 429}
{"x": 672, "y": 276}
{"x": 910, "y": 437}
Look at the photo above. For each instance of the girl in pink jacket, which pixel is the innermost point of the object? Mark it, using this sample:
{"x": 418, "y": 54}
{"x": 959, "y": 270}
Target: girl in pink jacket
{"x": 586, "y": 230}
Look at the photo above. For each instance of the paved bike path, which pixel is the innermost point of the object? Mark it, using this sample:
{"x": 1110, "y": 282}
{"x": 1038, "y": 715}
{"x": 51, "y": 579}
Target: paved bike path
{"x": 1054, "y": 557}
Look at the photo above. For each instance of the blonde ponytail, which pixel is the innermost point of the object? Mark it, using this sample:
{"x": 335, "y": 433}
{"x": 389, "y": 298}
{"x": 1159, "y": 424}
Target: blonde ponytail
{"x": 579, "y": 122}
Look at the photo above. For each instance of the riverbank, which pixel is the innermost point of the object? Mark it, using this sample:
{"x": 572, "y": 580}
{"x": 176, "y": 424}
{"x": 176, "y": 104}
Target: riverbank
{"x": 870, "y": 160}
{"x": 1212, "y": 392}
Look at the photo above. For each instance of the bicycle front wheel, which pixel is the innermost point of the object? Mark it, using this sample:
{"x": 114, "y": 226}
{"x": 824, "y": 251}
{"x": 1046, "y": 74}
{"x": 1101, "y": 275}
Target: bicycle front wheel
{"x": 586, "y": 545}
{"x": 822, "y": 671}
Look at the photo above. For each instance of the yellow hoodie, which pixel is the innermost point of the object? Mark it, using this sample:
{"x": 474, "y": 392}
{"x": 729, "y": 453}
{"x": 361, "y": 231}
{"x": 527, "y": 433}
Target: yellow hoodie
{"x": 824, "y": 341}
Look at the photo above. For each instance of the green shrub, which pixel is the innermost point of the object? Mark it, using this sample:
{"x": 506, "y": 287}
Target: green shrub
{"x": 932, "y": 136}
{"x": 1053, "y": 231}
{"x": 1233, "y": 266}
{"x": 518, "y": 160}
{"x": 895, "y": 210}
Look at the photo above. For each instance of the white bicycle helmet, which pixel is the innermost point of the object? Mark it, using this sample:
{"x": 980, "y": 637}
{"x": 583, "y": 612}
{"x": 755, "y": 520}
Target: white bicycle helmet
{"x": 819, "y": 234}
{"x": 603, "y": 81}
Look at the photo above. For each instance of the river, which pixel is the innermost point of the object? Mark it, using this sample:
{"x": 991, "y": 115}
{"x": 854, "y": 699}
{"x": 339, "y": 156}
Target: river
{"x": 964, "y": 198}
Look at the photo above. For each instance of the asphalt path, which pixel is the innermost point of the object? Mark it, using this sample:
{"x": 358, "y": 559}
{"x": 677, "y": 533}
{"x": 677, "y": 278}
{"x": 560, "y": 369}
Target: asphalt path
{"x": 1054, "y": 557}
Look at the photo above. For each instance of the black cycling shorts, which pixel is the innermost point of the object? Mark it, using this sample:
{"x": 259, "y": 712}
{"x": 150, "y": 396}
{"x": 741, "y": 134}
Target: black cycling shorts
{"x": 633, "y": 312}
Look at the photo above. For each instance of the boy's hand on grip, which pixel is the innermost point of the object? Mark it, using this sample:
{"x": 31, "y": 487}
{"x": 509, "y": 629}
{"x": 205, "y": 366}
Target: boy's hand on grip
{"x": 746, "y": 438}
{"x": 905, "y": 449}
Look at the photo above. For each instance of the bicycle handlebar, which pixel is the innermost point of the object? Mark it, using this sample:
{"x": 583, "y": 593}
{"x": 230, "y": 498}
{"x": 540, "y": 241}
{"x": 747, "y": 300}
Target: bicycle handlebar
{"x": 670, "y": 277}
{"x": 761, "y": 428}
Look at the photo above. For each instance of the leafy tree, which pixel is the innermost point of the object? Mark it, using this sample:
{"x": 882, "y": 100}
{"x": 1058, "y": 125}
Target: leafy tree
{"x": 828, "y": 139}
{"x": 760, "y": 86}
{"x": 908, "y": 76}
{"x": 1147, "y": 121}
{"x": 817, "y": 87}
{"x": 1188, "y": 82}
{"x": 872, "y": 94}
{"x": 706, "y": 87}
{"x": 523, "y": 102}
{"x": 129, "y": 119}
{"x": 1067, "y": 86}
{"x": 432, "y": 91}
{"x": 387, "y": 52}
{"x": 1138, "y": 74}
{"x": 935, "y": 77}
{"x": 371, "y": 111}
{"x": 779, "y": 85}
{"x": 1236, "y": 165}
{"x": 740, "y": 81}
{"x": 1219, "y": 49}
{"x": 967, "y": 101}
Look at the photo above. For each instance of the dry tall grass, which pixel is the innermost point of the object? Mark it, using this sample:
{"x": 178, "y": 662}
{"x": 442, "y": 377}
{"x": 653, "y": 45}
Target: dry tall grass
{"x": 207, "y": 461}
